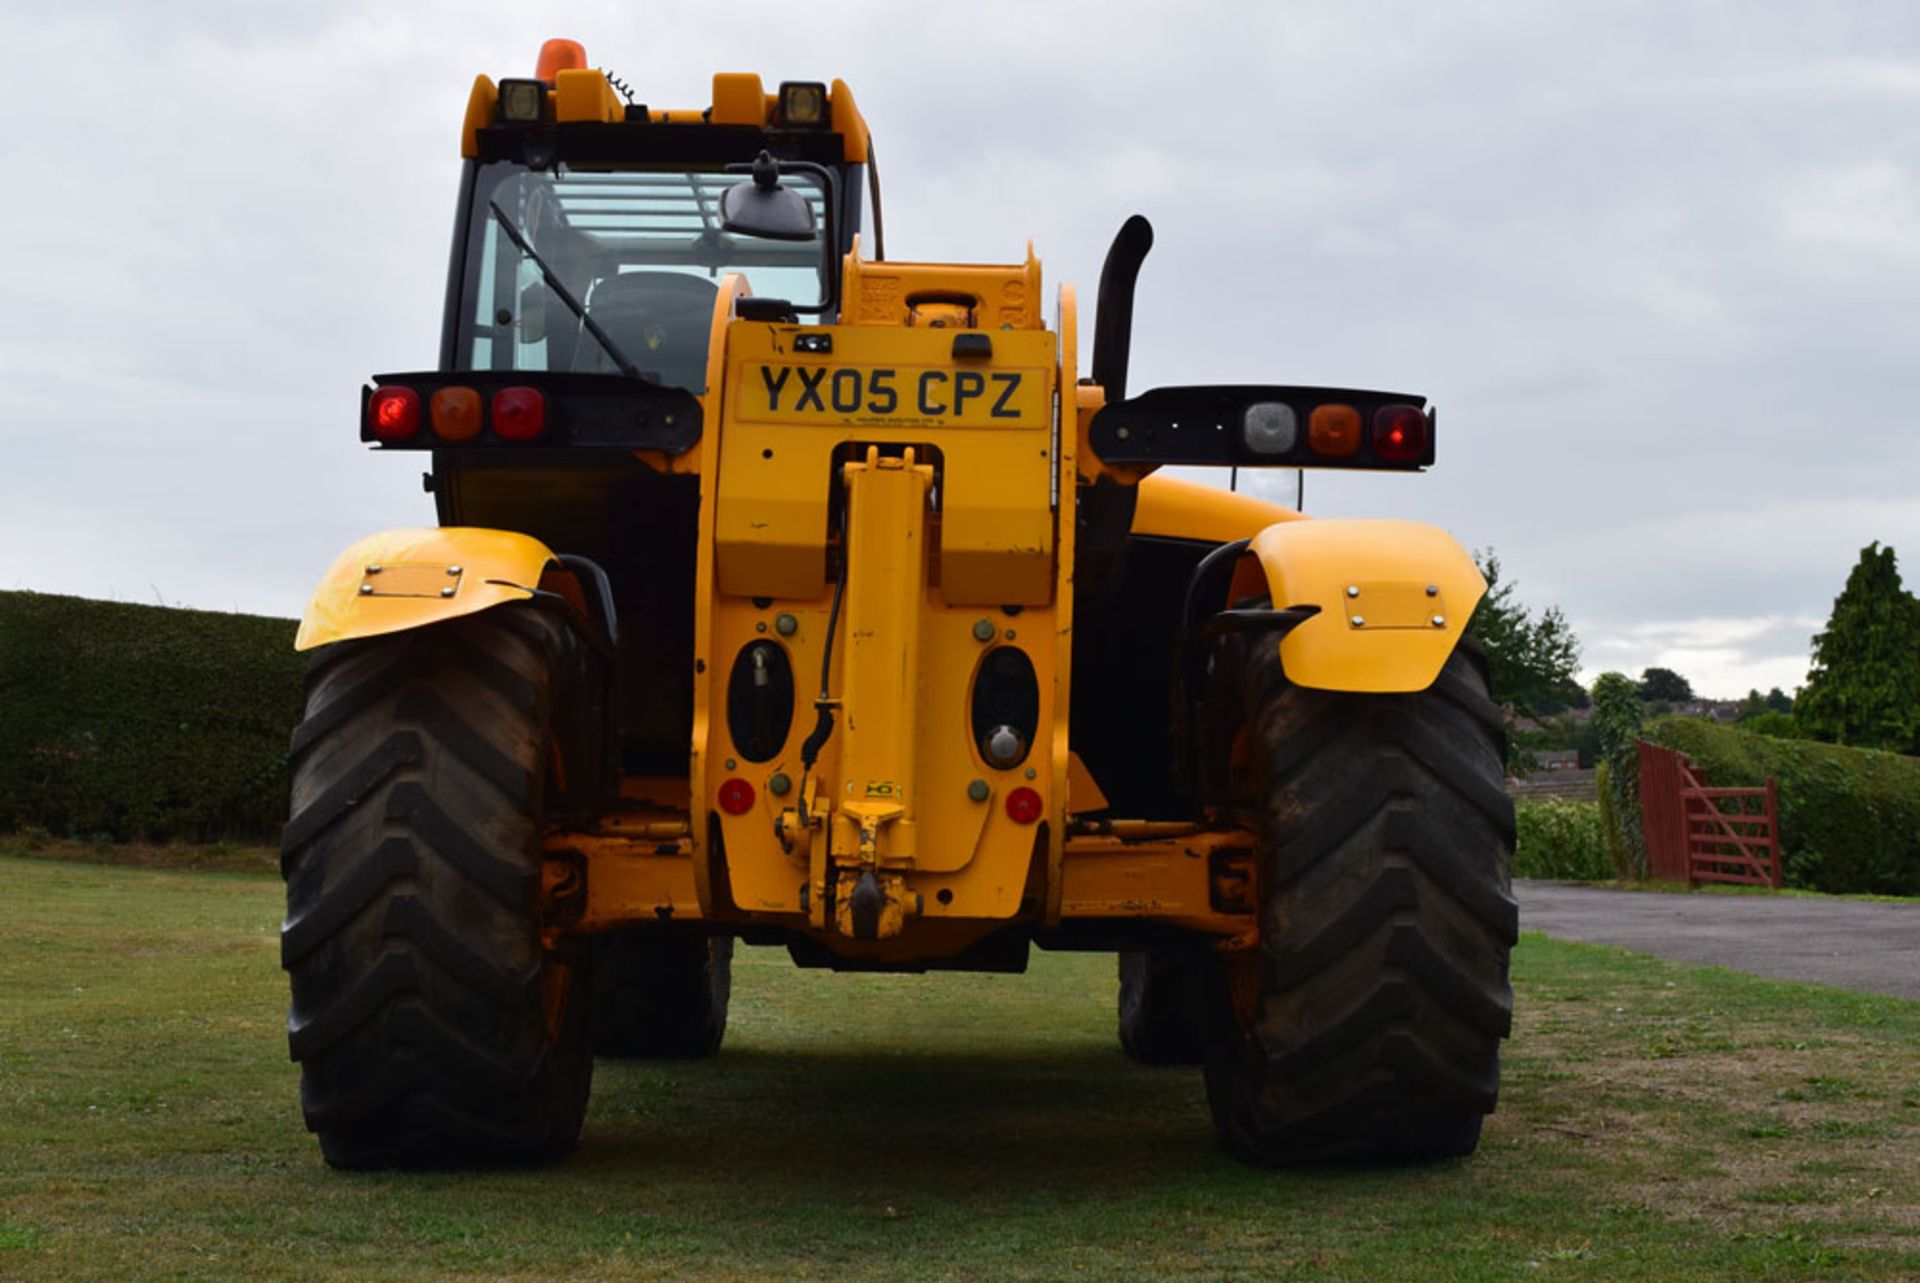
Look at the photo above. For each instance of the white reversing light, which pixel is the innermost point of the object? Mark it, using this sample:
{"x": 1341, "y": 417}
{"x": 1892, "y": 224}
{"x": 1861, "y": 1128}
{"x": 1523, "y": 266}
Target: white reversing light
{"x": 1269, "y": 427}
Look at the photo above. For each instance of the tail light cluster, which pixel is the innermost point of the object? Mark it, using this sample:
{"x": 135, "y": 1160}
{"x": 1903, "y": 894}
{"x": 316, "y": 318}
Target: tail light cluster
{"x": 1398, "y": 432}
{"x": 395, "y": 414}
{"x": 1252, "y": 426}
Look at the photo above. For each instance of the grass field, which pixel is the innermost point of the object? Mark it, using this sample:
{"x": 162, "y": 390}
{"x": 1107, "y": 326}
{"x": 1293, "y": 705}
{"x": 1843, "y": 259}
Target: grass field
{"x": 1658, "y": 1122}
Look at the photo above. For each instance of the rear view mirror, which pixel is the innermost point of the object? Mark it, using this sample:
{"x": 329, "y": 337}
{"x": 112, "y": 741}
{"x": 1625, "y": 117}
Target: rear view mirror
{"x": 765, "y": 209}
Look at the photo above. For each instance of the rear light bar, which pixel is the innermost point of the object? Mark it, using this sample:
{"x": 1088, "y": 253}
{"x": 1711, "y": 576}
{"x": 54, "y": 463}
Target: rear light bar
{"x": 454, "y": 415}
{"x": 1255, "y": 426}
{"x": 522, "y": 409}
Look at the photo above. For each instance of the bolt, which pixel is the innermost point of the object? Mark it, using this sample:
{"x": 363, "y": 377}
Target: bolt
{"x": 366, "y": 590}
{"x": 1439, "y": 621}
{"x": 374, "y": 569}
{"x": 760, "y": 627}
{"x": 978, "y": 791}
{"x": 1009, "y": 634}
{"x": 983, "y": 630}
{"x": 668, "y": 420}
{"x": 446, "y": 592}
{"x": 1123, "y": 433}
{"x": 1353, "y": 590}
{"x": 1433, "y": 590}
{"x": 453, "y": 570}
{"x": 1358, "y": 621}
{"x": 729, "y": 764}
{"x": 786, "y": 625}
{"x": 1031, "y": 773}
{"x": 778, "y": 784}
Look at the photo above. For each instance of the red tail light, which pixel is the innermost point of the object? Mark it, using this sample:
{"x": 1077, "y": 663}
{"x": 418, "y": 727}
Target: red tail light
{"x": 736, "y": 797}
{"x": 393, "y": 413}
{"x": 519, "y": 414}
{"x": 1024, "y": 805}
{"x": 1399, "y": 434}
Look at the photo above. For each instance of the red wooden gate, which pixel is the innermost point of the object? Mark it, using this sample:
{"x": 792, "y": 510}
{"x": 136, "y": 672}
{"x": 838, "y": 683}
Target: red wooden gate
{"x": 1696, "y": 833}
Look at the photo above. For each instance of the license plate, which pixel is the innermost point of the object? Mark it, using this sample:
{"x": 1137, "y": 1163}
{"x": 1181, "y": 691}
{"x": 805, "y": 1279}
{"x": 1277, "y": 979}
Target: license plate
{"x": 891, "y": 395}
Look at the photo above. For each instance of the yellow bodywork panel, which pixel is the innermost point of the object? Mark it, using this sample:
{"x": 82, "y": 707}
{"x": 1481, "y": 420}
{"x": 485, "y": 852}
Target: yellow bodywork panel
{"x": 997, "y": 297}
{"x": 480, "y": 103}
{"x": 401, "y": 579}
{"x": 584, "y": 94}
{"x": 1175, "y": 508}
{"x": 1393, "y": 599}
{"x": 984, "y": 424}
{"x": 847, "y": 121}
{"x": 738, "y": 99}
{"x": 928, "y": 467}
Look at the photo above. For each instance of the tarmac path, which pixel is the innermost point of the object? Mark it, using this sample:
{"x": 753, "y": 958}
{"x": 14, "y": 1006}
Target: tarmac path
{"x": 1853, "y": 944}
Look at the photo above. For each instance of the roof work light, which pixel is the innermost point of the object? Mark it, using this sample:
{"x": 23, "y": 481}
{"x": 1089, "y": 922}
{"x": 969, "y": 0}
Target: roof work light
{"x": 803, "y": 102}
{"x": 522, "y": 102}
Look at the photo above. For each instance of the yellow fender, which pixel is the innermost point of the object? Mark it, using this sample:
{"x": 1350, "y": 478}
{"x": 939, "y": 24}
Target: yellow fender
{"x": 1394, "y": 598}
{"x": 401, "y": 579}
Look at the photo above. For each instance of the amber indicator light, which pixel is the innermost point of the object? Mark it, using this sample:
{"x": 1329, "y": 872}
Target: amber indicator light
{"x": 455, "y": 413}
{"x": 1334, "y": 430}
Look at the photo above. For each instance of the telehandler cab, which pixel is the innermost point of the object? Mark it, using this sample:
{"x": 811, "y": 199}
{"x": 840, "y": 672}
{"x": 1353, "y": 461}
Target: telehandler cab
{"x": 789, "y": 594}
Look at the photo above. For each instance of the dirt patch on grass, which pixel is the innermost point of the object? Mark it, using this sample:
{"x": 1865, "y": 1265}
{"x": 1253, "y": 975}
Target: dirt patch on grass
{"x": 213, "y": 857}
{"x": 1701, "y": 1111}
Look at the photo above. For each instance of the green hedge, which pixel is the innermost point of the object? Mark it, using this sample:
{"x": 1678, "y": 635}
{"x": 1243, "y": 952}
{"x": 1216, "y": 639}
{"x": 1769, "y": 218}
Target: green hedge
{"x": 1560, "y": 839}
{"x": 1849, "y": 817}
{"x": 143, "y": 722}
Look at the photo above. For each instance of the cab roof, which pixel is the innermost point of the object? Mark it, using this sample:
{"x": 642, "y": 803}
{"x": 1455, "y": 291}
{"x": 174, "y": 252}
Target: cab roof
{"x": 565, "y": 90}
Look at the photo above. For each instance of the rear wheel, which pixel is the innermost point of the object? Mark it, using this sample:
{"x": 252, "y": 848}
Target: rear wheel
{"x": 661, "y": 992}
{"x": 1369, "y": 1023}
{"x": 1162, "y": 1001}
{"x": 435, "y": 1022}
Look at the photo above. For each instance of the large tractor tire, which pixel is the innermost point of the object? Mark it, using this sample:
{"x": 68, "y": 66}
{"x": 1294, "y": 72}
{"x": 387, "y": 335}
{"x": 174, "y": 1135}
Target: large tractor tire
{"x": 661, "y": 992}
{"x": 1368, "y": 1025}
{"x": 1162, "y": 1001}
{"x": 434, "y": 1022}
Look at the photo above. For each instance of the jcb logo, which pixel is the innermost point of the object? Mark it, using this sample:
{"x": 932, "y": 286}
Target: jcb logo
{"x": 885, "y": 392}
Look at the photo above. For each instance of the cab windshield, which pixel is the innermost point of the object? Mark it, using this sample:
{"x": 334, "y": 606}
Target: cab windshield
{"x": 641, "y": 251}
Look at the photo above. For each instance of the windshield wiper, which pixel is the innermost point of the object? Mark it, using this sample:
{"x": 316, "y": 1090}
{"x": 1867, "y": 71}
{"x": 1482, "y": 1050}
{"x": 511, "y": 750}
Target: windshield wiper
{"x": 605, "y": 340}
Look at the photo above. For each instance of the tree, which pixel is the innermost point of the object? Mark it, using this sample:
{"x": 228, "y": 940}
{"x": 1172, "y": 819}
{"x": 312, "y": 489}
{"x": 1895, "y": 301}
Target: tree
{"x": 1617, "y": 718}
{"x": 1771, "y": 722}
{"x": 1664, "y": 685}
{"x": 1864, "y": 687}
{"x": 1530, "y": 660}
{"x": 1775, "y": 701}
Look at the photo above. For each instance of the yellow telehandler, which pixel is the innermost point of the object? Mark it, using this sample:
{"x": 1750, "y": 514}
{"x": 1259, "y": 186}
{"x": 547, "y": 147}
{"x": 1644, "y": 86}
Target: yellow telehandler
{"x": 785, "y": 593}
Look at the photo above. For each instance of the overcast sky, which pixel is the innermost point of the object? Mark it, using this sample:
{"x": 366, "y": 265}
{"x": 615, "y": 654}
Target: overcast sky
{"x": 1658, "y": 264}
